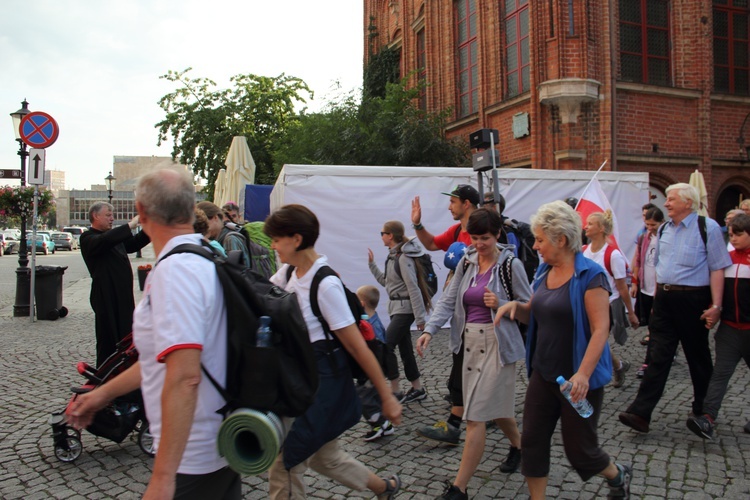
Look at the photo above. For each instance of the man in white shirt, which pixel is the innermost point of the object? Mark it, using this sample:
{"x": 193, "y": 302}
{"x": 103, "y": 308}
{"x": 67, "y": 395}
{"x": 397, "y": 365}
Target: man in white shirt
{"x": 179, "y": 324}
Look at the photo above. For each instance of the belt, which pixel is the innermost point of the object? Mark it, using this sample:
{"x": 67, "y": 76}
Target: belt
{"x": 679, "y": 288}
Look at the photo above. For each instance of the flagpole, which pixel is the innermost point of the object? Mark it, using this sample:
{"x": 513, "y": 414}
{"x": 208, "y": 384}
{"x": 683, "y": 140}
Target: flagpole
{"x": 589, "y": 184}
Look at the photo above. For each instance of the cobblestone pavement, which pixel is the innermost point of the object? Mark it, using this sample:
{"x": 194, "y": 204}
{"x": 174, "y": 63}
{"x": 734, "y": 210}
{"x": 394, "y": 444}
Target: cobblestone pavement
{"x": 37, "y": 368}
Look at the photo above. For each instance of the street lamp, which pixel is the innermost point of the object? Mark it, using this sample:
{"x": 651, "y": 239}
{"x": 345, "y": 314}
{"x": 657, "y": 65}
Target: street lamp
{"x": 110, "y": 179}
{"x": 23, "y": 277}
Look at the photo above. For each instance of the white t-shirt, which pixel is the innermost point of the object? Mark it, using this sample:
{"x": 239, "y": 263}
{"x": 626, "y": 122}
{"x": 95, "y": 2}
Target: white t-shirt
{"x": 648, "y": 287}
{"x": 183, "y": 308}
{"x": 331, "y": 299}
{"x": 617, "y": 263}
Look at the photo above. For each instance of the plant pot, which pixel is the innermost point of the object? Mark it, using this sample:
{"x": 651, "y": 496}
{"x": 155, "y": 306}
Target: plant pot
{"x": 142, "y": 273}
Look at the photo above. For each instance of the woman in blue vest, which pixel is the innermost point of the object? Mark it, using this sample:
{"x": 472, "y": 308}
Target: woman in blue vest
{"x": 568, "y": 318}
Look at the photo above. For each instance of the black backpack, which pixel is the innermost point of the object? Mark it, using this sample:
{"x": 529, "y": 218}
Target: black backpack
{"x": 520, "y": 234}
{"x": 282, "y": 378}
{"x": 355, "y": 306}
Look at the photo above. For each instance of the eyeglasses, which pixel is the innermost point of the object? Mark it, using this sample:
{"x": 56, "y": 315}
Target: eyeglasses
{"x": 384, "y": 232}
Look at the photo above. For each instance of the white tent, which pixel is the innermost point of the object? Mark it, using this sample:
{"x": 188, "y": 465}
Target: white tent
{"x": 353, "y": 202}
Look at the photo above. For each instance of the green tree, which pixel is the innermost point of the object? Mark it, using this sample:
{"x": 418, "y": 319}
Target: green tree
{"x": 202, "y": 120}
{"x": 377, "y": 131}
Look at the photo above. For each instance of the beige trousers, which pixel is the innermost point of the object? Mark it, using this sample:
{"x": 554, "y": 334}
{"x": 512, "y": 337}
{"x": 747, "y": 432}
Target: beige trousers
{"x": 330, "y": 461}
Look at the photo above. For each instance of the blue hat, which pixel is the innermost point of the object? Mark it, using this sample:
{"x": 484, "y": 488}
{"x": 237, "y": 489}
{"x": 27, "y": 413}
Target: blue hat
{"x": 454, "y": 254}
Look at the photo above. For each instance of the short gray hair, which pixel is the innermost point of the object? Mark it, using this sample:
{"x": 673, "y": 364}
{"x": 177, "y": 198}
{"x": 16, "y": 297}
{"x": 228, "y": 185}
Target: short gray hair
{"x": 98, "y": 207}
{"x": 167, "y": 196}
{"x": 557, "y": 220}
{"x": 686, "y": 192}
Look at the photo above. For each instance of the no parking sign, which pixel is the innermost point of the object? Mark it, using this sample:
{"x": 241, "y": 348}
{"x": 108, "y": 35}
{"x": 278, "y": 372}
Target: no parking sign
{"x": 39, "y": 130}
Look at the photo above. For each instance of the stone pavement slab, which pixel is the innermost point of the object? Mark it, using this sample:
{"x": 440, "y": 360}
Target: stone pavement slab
{"x": 37, "y": 368}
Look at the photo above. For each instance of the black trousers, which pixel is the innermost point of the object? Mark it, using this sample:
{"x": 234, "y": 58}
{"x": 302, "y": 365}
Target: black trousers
{"x": 676, "y": 320}
{"x": 224, "y": 484}
{"x": 398, "y": 334}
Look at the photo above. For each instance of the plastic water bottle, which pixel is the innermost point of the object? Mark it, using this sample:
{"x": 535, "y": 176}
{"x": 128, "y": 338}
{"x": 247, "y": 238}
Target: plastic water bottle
{"x": 583, "y": 407}
{"x": 365, "y": 317}
{"x": 263, "y": 337}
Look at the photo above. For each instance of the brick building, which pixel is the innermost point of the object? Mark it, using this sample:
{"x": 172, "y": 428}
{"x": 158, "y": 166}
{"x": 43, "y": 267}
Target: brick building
{"x": 657, "y": 86}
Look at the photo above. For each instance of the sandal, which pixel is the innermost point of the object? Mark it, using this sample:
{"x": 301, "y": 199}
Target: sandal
{"x": 644, "y": 340}
{"x": 390, "y": 489}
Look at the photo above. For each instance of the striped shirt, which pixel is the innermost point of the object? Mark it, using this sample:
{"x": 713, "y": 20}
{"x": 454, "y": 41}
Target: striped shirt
{"x": 683, "y": 259}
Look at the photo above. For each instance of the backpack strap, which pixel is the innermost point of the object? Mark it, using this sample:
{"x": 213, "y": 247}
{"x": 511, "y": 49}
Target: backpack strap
{"x": 505, "y": 273}
{"x": 208, "y": 252}
{"x": 457, "y": 232}
{"x": 701, "y": 229}
{"x": 320, "y": 274}
{"x": 608, "y": 259}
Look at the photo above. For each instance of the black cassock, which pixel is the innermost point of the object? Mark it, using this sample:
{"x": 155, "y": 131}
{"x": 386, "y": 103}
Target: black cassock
{"x": 106, "y": 256}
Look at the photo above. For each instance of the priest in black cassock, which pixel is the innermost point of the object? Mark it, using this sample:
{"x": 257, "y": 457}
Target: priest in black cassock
{"x": 105, "y": 251}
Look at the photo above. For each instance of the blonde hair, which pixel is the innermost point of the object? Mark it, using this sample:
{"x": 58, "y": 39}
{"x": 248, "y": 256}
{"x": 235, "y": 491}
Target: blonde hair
{"x": 369, "y": 295}
{"x": 686, "y": 192}
{"x": 745, "y": 205}
{"x": 605, "y": 220}
{"x": 557, "y": 220}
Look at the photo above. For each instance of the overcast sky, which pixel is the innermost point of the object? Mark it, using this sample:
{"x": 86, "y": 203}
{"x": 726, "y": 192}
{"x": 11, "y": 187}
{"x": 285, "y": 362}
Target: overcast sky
{"x": 94, "y": 65}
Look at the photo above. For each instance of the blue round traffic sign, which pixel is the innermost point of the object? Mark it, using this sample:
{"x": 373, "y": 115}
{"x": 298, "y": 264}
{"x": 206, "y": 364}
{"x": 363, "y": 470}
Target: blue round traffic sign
{"x": 39, "y": 130}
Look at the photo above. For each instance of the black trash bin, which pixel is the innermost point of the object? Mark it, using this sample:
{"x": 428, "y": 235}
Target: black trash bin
{"x": 48, "y": 292}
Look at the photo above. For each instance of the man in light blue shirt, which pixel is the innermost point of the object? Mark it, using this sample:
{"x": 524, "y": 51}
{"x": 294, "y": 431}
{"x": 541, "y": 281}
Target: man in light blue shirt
{"x": 690, "y": 261}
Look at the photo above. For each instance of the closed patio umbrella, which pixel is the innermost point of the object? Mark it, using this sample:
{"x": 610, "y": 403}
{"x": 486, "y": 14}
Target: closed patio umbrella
{"x": 696, "y": 180}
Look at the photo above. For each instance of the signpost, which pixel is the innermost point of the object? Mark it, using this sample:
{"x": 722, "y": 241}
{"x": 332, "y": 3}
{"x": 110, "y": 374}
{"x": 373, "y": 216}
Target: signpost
{"x": 37, "y": 130}
{"x": 10, "y": 173}
{"x": 37, "y": 160}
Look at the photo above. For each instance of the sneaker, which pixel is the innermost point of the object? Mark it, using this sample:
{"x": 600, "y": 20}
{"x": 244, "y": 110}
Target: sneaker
{"x": 392, "y": 485}
{"x": 442, "y": 432}
{"x": 386, "y": 429}
{"x": 701, "y": 426}
{"x": 413, "y": 395}
{"x": 620, "y": 487}
{"x": 619, "y": 375}
{"x": 398, "y": 395}
{"x": 641, "y": 371}
{"x": 453, "y": 493}
{"x": 512, "y": 461}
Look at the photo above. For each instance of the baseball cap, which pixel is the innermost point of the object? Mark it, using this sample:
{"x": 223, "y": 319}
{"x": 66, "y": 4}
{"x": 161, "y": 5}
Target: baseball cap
{"x": 465, "y": 192}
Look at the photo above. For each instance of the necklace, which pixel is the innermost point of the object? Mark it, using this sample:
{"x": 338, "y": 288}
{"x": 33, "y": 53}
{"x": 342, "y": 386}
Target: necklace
{"x": 478, "y": 276}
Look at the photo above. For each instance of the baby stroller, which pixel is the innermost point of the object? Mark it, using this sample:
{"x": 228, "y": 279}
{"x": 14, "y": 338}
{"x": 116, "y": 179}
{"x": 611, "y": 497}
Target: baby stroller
{"x": 117, "y": 420}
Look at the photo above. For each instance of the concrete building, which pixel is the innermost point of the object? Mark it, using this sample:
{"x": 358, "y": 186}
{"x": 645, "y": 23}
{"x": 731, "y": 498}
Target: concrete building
{"x": 657, "y": 86}
{"x": 54, "y": 180}
{"x": 73, "y": 205}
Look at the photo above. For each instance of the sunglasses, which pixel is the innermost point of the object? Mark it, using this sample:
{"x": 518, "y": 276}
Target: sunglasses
{"x": 383, "y": 232}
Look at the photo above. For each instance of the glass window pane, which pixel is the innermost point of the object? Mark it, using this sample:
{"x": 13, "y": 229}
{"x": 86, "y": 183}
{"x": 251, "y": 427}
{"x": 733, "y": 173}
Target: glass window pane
{"x": 658, "y": 72}
{"x": 630, "y": 68}
{"x": 473, "y": 53}
{"x": 657, "y": 13}
{"x": 740, "y": 82}
{"x": 721, "y": 79}
{"x": 524, "y": 51}
{"x": 658, "y": 43}
{"x": 740, "y": 3}
{"x": 474, "y": 101}
{"x": 463, "y": 58}
{"x": 740, "y": 54}
{"x": 474, "y": 76}
{"x": 511, "y": 55}
{"x": 510, "y": 7}
{"x": 524, "y": 22}
{"x": 721, "y": 23}
{"x": 512, "y": 84}
{"x": 630, "y": 11}
{"x": 739, "y": 26}
{"x": 525, "y": 79}
{"x": 630, "y": 39}
{"x": 462, "y": 35}
{"x": 464, "y": 105}
{"x": 463, "y": 82}
{"x": 472, "y": 26}
{"x": 721, "y": 52}
{"x": 511, "y": 35}
{"x": 461, "y": 9}
{"x": 472, "y": 6}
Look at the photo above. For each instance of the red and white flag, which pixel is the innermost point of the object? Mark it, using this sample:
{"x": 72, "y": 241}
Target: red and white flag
{"x": 594, "y": 200}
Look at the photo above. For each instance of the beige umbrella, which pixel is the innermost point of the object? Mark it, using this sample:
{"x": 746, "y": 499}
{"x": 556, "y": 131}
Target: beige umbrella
{"x": 220, "y": 187}
{"x": 696, "y": 180}
{"x": 240, "y": 172}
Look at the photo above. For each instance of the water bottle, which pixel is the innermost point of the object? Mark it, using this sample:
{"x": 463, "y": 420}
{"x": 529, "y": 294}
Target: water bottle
{"x": 365, "y": 317}
{"x": 263, "y": 337}
{"x": 583, "y": 407}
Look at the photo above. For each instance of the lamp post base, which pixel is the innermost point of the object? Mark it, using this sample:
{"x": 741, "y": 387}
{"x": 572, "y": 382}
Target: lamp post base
{"x": 23, "y": 292}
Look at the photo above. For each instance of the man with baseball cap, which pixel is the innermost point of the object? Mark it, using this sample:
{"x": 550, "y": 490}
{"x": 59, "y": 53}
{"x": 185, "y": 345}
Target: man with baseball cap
{"x": 464, "y": 199}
